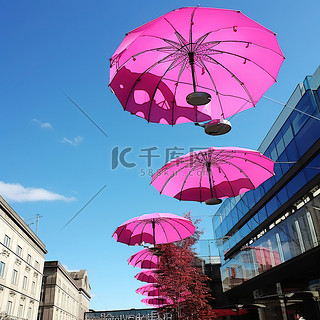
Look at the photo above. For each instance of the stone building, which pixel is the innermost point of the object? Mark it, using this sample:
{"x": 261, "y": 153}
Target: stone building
{"x": 22, "y": 257}
{"x": 65, "y": 295}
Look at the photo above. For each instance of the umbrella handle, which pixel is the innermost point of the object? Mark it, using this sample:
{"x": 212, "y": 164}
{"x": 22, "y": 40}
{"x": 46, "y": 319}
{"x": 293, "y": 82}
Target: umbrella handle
{"x": 154, "y": 232}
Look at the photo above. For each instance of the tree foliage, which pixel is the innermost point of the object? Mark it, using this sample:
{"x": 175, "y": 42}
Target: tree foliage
{"x": 182, "y": 281}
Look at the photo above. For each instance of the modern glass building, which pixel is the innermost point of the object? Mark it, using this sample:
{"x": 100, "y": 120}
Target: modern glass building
{"x": 269, "y": 238}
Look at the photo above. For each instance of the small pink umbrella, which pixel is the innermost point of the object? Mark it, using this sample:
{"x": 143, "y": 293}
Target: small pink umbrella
{"x": 224, "y": 58}
{"x": 149, "y": 276}
{"x": 211, "y": 174}
{"x": 157, "y": 302}
{"x": 144, "y": 259}
{"x": 154, "y": 228}
{"x": 149, "y": 289}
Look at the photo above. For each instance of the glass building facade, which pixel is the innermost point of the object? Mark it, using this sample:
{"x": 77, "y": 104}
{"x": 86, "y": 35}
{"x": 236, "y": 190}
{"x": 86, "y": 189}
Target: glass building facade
{"x": 280, "y": 220}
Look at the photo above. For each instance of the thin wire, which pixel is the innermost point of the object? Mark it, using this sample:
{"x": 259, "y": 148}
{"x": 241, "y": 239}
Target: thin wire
{"x": 86, "y": 115}
{"x": 83, "y": 207}
{"x": 287, "y": 106}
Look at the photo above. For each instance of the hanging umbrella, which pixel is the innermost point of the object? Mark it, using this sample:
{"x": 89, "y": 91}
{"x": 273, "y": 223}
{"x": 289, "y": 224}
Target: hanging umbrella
{"x": 150, "y": 289}
{"x": 149, "y": 276}
{"x": 157, "y": 302}
{"x": 211, "y": 174}
{"x": 144, "y": 259}
{"x": 195, "y": 65}
{"x": 154, "y": 228}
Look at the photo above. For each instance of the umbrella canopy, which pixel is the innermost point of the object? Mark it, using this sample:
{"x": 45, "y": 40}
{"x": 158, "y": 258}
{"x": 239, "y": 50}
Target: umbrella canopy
{"x": 149, "y": 276}
{"x": 211, "y": 174}
{"x": 154, "y": 228}
{"x": 149, "y": 289}
{"x": 156, "y": 302}
{"x": 230, "y": 57}
{"x": 144, "y": 259}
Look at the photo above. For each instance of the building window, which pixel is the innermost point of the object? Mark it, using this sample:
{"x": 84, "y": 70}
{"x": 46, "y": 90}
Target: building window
{"x": 29, "y": 315}
{"x": 19, "y": 251}
{"x": 9, "y": 307}
{"x": 20, "y": 311}
{"x": 36, "y": 265}
{"x": 25, "y": 282}
{"x": 14, "y": 276}
{"x": 2, "y": 266}
{"x": 33, "y": 287}
{"x": 29, "y": 259}
{"x": 7, "y": 240}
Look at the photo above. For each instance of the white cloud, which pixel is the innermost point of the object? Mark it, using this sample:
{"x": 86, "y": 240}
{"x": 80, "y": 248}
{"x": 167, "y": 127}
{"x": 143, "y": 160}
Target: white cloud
{"x": 69, "y": 270}
{"x": 18, "y": 193}
{"x": 77, "y": 140}
{"x": 44, "y": 125}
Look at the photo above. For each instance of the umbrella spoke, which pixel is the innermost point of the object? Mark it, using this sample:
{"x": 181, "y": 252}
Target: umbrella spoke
{"x": 215, "y": 87}
{"x": 234, "y": 76}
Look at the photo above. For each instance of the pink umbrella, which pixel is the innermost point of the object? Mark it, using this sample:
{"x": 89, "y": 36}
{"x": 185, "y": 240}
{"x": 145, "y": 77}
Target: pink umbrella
{"x": 211, "y": 174}
{"x": 149, "y": 289}
{"x": 157, "y": 302}
{"x": 144, "y": 259}
{"x": 149, "y": 276}
{"x": 222, "y": 52}
{"x": 154, "y": 228}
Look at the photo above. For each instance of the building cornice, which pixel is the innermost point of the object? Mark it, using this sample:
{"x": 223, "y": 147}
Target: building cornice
{"x": 21, "y": 223}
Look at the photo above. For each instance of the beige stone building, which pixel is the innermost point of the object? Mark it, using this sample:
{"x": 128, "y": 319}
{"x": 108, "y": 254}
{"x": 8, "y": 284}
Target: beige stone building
{"x": 22, "y": 257}
{"x": 65, "y": 295}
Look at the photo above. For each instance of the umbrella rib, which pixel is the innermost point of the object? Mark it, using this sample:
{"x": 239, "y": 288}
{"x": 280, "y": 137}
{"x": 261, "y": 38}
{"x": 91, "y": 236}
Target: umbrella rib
{"x": 168, "y": 166}
{"x": 246, "y": 59}
{"x": 155, "y": 90}
{"x": 246, "y": 42}
{"x": 185, "y": 180}
{"x": 200, "y": 181}
{"x": 214, "y": 84}
{"x": 167, "y": 181}
{"x": 147, "y": 70}
{"x": 255, "y": 163}
{"x": 164, "y": 231}
{"x": 238, "y": 80}
{"x": 178, "y": 221}
{"x": 207, "y": 88}
{"x": 232, "y": 164}
{"x": 183, "y": 66}
{"x": 178, "y": 35}
{"x": 227, "y": 180}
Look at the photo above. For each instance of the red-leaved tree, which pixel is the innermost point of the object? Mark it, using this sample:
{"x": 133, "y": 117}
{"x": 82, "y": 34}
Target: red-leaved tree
{"x": 182, "y": 282}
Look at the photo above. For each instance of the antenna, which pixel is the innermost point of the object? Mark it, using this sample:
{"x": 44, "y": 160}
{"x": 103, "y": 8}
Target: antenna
{"x": 37, "y": 217}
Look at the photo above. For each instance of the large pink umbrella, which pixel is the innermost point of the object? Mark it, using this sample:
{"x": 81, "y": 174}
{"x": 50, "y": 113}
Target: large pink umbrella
{"x": 154, "y": 228}
{"x": 144, "y": 259}
{"x": 223, "y": 58}
{"x": 211, "y": 174}
{"x": 149, "y": 276}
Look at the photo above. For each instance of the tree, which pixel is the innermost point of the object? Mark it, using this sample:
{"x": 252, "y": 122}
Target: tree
{"x": 182, "y": 282}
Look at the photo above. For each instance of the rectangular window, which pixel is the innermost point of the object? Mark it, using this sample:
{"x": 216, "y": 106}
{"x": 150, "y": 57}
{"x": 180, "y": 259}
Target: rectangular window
{"x": 2, "y": 266}
{"x": 7, "y": 240}
{"x": 29, "y": 315}
{"x": 14, "y": 276}
{"x": 9, "y": 307}
{"x": 33, "y": 287}
{"x": 25, "y": 282}
{"x": 20, "y": 310}
{"x": 36, "y": 265}
{"x": 19, "y": 251}
{"x": 29, "y": 259}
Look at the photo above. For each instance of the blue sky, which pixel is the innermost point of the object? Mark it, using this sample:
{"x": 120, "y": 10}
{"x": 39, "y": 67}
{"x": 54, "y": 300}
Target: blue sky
{"x": 54, "y": 160}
